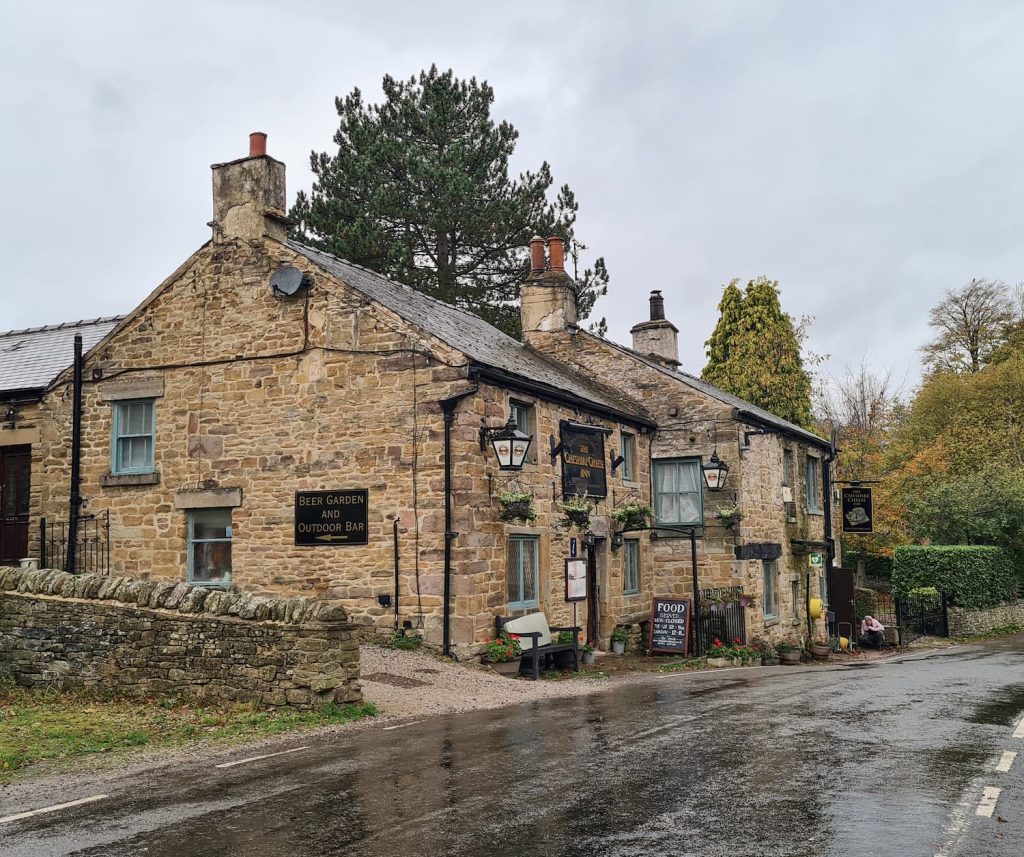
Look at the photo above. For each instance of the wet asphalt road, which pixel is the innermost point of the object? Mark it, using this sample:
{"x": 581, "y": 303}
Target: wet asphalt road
{"x": 882, "y": 759}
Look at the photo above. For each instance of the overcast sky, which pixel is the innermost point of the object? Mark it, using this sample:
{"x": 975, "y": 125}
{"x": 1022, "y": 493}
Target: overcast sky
{"x": 867, "y": 155}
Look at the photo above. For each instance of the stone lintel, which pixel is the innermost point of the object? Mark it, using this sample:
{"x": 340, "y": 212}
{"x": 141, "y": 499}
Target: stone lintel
{"x": 136, "y": 388}
{"x": 19, "y": 437}
{"x": 209, "y": 498}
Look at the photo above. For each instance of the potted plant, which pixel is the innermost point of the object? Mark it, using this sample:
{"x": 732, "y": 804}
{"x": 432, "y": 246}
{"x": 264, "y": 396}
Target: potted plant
{"x": 588, "y": 654}
{"x": 516, "y": 506}
{"x": 728, "y": 516}
{"x": 563, "y": 660}
{"x": 719, "y": 654}
{"x": 503, "y": 654}
{"x": 819, "y": 649}
{"x": 789, "y": 653}
{"x": 766, "y": 651}
{"x": 619, "y": 639}
{"x": 632, "y": 516}
{"x": 576, "y": 512}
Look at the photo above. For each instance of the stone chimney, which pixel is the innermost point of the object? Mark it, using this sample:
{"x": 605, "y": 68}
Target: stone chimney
{"x": 248, "y": 196}
{"x": 657, "y": 338}
{"x": 548, "y": 297}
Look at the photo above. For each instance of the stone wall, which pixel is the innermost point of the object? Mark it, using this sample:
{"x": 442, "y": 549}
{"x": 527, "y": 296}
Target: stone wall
{"x": 965, "y": 623}
{"x": 142, "y": 638}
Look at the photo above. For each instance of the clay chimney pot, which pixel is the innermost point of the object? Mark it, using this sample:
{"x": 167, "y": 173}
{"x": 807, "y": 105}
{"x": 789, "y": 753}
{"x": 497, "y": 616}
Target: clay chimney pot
{"x": 657, "y": 306}
{"x": 257, "y": 144}
{"x": 556, "y": 251}
{"x": 536, "y": 255}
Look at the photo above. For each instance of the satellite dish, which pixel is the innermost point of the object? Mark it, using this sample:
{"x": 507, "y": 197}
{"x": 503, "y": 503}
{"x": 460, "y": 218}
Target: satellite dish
{"x": 287, "y": 281}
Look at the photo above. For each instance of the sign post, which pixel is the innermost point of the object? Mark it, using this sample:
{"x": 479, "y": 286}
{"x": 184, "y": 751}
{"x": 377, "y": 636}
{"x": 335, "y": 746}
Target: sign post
{"x": 857, "y": 512}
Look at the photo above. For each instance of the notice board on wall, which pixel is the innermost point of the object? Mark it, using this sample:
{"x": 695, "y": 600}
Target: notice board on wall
{"x": 670, "y": 626}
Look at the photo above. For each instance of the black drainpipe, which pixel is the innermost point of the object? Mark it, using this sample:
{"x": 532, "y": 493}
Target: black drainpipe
{"x": 830, "y": 543}
{"x": 76, "y": 457}
{"x": 448, "y": 407}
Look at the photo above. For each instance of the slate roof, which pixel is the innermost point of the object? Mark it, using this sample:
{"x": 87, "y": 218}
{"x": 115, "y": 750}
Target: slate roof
{"x": 483, "y": 343}
{"x": 745, "y": 408}
{"x": 31, "y": 358}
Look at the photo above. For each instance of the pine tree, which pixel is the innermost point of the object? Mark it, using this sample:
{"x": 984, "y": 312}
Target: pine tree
{"x": 419, "y": 190}
{"x": 754, "y": 352}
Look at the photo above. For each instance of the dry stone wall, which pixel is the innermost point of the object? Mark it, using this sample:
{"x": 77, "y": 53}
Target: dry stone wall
{"x": 144, "y": 637}
{"x": 965, "y": 623}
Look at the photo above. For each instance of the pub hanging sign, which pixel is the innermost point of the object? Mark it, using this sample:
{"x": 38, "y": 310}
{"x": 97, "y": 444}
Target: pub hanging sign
{"x": 583, "y": 465}
{"x": 329, "y": 518}
{"x": 857, "y": 512}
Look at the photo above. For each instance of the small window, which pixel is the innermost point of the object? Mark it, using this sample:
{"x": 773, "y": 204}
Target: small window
{"x": 523, "y": 563}
{"x": 677, "y": 492}
{"x": 209, "y": 547}
{"x": 525, "y": 417}
{"x": 134, "y": 436}
{"x": 787, "y": 468}
{"x": 770, "y": 572}
{"x": 628, "y": 453}
{"x": 795, "y": 592}
{"x": 813, "y": 484}
{"x": 631, "y": 567}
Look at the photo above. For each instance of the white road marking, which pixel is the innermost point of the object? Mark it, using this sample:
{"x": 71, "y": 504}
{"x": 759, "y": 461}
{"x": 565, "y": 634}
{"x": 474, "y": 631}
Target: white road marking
{"x": 402, "y": 725}
{"x": 959, "y": 822}
{"x": 987, "y": 804}
{"x": 54, "y": 808}
{"x": 1019, "y": 731}
{"x": 257, "y": 758}
{"x": 1006, "y": 761}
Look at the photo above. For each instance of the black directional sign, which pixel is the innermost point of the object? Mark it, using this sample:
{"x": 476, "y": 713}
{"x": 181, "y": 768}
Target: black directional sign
{"x": 328, "y": 518}
{"x": 857, "y": 516}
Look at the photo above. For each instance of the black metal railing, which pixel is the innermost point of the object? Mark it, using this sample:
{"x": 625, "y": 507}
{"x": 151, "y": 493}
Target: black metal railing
{"x": 92, "y": 551}
{"x": 922, "y": 615}
{"x": 722, "y": 615}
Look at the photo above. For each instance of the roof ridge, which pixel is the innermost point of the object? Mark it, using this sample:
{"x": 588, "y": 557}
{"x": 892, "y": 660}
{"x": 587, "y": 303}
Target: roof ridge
{"x": 401, "y": 285}
{"x": 64, "y": 325}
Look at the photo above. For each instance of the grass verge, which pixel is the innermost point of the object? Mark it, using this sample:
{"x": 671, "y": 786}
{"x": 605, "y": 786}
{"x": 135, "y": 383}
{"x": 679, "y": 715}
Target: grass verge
{"x": 38, "y": 725}
{"x": 994, "y": 634}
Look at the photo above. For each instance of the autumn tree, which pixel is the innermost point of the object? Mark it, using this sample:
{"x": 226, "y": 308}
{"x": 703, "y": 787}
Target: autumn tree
{"x": 755, "y": 352}
{"x": 419, "y": 190}
{"x": 971, "y": 323}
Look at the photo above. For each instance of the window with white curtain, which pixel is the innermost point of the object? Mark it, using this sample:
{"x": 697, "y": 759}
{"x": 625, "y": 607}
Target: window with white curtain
{"x": 678, "y": 498}
{"x": 523, "y": 565}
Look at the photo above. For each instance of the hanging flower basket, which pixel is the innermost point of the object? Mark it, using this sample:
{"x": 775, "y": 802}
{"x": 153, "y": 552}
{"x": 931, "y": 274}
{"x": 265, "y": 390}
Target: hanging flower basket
{"x": 576, "y": 512}
{"x": 516, "y": 506}
{"x": 728, "y": 516}
{"x": 633, "y": 516}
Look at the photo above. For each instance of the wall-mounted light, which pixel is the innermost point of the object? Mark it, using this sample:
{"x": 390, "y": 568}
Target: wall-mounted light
{"x": 715, "y": 472}
{"x": 509, "y": 443}
{"x": 11, "y": 416}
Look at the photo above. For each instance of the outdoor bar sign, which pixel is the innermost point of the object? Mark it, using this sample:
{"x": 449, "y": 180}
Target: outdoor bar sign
{"x": 583, "y": 467}
{"x": 857, "y": 510}
{"x": 670, "y": 625}
{"x": 330, "y": 517}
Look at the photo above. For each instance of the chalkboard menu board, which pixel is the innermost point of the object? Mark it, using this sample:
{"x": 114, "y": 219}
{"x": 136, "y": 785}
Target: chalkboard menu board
{"x": 670, "y": 625}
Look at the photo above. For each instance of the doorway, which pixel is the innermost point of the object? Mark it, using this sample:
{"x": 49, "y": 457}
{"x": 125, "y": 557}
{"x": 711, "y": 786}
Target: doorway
{"x": 593, "y": 627}
{"x": 15, "y": 474}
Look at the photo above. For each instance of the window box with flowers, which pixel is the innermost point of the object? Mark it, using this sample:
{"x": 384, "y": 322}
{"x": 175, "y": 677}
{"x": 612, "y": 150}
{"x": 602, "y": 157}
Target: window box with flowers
{"x": 576, "y": 511}
{"x": 504, "y": 655}
{"x": 517, "y": 507}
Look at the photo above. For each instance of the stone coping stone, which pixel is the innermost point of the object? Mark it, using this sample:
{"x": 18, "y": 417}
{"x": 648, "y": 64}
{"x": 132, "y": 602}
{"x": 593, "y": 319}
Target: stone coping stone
{"x": 171, "y": 595}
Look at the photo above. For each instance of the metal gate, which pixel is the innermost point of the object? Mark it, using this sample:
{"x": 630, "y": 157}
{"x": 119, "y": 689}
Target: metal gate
{"x": 722, "y": 615}
{"x": 922, "y": 615}
{"x": 92, "y": 553}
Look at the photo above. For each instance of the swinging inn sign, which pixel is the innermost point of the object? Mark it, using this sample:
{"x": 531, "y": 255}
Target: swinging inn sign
{"x": 583, "y": 460}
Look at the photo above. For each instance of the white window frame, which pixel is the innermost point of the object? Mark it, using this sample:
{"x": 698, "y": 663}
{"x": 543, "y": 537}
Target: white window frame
{"x": 525, "y": 416}
{"x": 689, "y": 463}
{"x": 814, "y": 485}
{"x": 628, "y": 453}
{"x": 631, "y": 567}
{"x": 118, "y": 435}
{"x": 517, "y": 575}
{"x": 222, "y": 582}
{"x": 769, "y": 585}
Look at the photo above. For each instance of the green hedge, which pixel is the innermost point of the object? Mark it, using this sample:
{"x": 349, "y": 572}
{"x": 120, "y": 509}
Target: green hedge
{"x": 970, "y": 575}
{"x": 865, "y": 602}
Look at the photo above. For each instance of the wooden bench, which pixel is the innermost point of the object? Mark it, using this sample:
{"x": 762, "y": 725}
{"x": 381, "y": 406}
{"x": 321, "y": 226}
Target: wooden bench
{"x": 535, "y": 640}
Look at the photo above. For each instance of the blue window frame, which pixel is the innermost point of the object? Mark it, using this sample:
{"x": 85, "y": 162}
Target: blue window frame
{"x": 678, "y": 498}
{"x": 209, "y": 547}
{"x": 770, "y": 572}
{"x": 134, "y": 441}
{"x": 523, "y": 576}
{"x": 631, "y": 567}
{"x": 628, "y": 453}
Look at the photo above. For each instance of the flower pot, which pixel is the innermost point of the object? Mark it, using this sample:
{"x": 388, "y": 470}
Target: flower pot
{"x": 820, "y": 653}
{"x": 518, "y": 511}
{"x": 770, "y": 661}
{"x": 579, "y": 519}
{"x": 789, "y": 658}
{"x": 588, "y": 659}
{"x": 719, "y": 662}
{"x": 507, "y": 668}
{"x": 618, "y": 647}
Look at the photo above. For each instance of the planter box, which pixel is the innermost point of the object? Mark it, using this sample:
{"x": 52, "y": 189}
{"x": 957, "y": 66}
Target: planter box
{"x": 789, "y": 658}
{"x": 507, "y": 668}
{"x": 718, "y": 663}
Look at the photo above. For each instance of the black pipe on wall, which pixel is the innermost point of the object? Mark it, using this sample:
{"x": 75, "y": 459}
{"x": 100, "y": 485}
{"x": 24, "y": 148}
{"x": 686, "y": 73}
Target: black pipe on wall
{"x": 75, "y": 508}
{"x": 395, "y": 533}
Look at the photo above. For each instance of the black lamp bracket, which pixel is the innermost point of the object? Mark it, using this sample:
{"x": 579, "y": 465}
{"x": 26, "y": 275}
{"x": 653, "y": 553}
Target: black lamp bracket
{"x": 556, "y": 450}
{"x": 616, "y": 461}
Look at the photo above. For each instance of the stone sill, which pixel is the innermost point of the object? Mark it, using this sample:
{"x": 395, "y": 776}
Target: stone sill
{"x": 771, "y": 623}
{"x": 118, "y": 480}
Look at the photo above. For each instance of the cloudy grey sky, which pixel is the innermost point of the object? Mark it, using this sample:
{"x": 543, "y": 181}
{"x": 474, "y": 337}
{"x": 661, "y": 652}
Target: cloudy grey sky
{"x": 867, "y": 155}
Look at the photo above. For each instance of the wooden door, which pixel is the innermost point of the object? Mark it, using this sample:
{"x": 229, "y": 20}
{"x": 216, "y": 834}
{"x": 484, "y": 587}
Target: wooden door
{"x": 841, "y": 601}
{"x": 15, "y": 473}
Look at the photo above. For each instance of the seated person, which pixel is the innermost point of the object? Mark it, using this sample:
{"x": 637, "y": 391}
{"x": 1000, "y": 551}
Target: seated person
{"x": 872, "y": 633}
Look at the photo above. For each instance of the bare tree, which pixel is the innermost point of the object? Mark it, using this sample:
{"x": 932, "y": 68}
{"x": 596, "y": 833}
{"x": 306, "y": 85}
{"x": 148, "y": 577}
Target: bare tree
{"x": 971, "y": 322}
